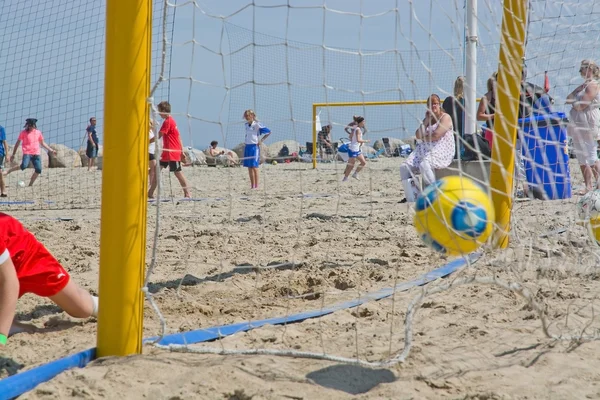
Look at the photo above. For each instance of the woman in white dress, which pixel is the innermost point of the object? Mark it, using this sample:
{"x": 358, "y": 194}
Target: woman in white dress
{"x": 434, "y": 151}
{"x": 584, "y": 123}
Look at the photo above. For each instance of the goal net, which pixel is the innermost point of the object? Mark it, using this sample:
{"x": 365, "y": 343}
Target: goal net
{"x": 252, "y": 262}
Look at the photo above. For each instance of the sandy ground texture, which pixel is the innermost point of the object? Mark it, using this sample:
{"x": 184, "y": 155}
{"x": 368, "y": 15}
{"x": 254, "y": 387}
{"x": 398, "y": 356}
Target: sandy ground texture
{"x": 305, "y": 241}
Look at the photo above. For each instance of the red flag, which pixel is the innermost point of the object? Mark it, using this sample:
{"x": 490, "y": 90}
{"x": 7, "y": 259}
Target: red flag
{"x": 546, "y": 82}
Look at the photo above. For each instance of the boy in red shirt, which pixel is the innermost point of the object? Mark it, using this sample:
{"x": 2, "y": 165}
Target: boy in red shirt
{"x": 26, "y": 266}
{"x": 172, "y": 151}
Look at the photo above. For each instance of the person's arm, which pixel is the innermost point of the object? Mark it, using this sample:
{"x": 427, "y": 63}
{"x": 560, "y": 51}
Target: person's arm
{"x": 265, "y": 137}
{"x": 422, "y": 129}
{"x": 444, "y": 126}
{"x": 9, "y": 293}
{"x": 591, "y": 91}
{"x": 482, "y": 115}
{"x": 12, "y": 157}
{"x": 359, "y": 138}
{"x": 44, "y": 145}
{"x": 571, "y": 98}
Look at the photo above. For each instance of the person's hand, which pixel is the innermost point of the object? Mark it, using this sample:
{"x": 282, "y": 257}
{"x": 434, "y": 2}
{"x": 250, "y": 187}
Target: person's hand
{"x": 53, "y": 151}
{"x": 8, "y": 365}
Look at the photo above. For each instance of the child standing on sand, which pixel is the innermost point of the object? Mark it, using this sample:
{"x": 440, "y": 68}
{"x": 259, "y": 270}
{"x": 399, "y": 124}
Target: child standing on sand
{"x": 254, "y": 130}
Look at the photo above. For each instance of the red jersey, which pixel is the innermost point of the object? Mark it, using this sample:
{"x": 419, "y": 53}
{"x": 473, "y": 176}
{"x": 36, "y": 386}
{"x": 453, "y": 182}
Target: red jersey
{"x": 38, "y": 271}
{"x": 171, "y": 141}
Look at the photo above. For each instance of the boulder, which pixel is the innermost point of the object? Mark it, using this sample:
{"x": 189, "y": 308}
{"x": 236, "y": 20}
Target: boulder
{"x": 65, "y": 157}
{"x": 194, "y": 156}
{"x": 264, "y": 152}
{"x": 211, "y": 160}
{"x": 84, "y": 158}
{"x": 275, "y": 148}
{"x": 394, "y": 144}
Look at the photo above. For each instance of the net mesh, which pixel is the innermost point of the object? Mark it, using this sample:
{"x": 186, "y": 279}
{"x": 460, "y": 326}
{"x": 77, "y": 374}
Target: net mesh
{"x": 53, "y": 67}
{"x": 306, "y": 242}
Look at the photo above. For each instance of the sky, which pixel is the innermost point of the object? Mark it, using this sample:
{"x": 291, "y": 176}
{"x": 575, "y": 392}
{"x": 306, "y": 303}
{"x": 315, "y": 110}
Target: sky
{"x": 277, "y": 57}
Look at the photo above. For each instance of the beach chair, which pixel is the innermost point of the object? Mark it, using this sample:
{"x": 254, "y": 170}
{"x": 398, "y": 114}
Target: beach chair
{"x": 376, "y": 155}
{"x": 388, "y": 148}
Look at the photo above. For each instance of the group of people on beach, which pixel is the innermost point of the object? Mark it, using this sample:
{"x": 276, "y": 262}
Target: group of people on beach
{"x": 26, "y": 266}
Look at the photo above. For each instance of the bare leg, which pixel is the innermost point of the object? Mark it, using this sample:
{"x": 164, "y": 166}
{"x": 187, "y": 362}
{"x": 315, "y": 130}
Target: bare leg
{"x": 349, "y": 167}
{"x": 183, "y": 182}
{"x": 251, "y": 176}
{"x": 588, "y": 175}
{"x": 363, "y": 162}
{"x": 12, "y": 169}
{"x": 255, "y": 177}
{"x": 152, "y": 179}
{"x": 33, "y": 178}
{"x": 75, "y": 301}
{"x": 2, "y": 184}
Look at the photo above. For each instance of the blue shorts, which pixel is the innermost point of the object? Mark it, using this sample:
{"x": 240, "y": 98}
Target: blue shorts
{"x": 251, "y": 156}
{"x": 354, "y": 154}
{"x": 34, "y": 159}
{"x": 91, "y": 151}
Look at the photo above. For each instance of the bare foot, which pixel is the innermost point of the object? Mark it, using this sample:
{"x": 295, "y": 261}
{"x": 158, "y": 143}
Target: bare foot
{"x": 21, "y": 327}
{"x": 187, "y": 194}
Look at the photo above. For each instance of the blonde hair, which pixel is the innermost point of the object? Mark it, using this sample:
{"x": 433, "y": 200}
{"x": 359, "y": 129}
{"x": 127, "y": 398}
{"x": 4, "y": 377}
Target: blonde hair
{"x": 459, "y": 87}
{"x": 250, "y": 112}
{"x": 491, "y": 81}
{"x": 592, "y": 66}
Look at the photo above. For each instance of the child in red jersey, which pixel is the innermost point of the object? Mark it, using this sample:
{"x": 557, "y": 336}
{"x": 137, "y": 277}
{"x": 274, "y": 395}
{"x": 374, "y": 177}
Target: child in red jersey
{"x": 172, "y": 151}
{"x": 26, "y": 266}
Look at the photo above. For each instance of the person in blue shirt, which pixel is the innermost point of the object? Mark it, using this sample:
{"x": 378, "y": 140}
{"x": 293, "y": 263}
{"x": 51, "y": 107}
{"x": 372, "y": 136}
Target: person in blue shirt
{"x": 3, "y": 151}
{"x": 92, "y": 143}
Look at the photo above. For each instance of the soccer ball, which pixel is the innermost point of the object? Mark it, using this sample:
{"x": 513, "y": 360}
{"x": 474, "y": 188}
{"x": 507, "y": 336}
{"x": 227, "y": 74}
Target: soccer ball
{"x": 21, "y": 184}
{"x": 588, "y": 211}
{"x": 274, "y": 162}
{"x": 588, "y": 206}
{"x": 454, "y": 215}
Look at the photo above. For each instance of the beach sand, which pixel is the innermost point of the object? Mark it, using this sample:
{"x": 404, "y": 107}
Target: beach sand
{"x": 305, "y": 241}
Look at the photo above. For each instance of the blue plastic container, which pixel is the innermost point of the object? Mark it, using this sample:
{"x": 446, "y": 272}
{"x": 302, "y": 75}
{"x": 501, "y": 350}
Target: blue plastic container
{"x": 545, "y": 154}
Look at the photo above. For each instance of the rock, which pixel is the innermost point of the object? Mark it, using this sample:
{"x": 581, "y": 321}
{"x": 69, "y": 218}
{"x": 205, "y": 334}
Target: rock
{"x": 394, "y": 144}
{"x": 264, "y": 152}
{"x": 84, "y": 158}
{"x": 275, "y": 148}
{"x": 65, "y": 157}
{"x": 211, "y": 160}
{"x": 194, "y": 156}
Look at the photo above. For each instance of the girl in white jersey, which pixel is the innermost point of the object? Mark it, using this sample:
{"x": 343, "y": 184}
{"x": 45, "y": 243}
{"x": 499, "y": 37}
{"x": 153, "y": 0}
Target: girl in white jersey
{"x": 354, "y": 152}
{"x": 254, "y": 130}
{"x": 152, "y": 183}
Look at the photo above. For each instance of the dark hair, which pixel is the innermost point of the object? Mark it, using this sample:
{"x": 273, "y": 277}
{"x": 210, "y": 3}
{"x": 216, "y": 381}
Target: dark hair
{"x": 164, "y": 107}
{"x": 359, "y": 119}
{"x": 30, "y": 123}
{"x": 214, "y": 143}
{"x": 93, "y": 118}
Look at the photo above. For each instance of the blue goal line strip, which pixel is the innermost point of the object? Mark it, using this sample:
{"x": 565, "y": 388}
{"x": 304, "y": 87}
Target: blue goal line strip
{"x": 23, "y": 382}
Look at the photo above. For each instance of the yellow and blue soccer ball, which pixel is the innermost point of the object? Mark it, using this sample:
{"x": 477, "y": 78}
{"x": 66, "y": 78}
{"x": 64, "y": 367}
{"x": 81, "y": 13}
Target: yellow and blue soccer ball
{"x": 588, "y": 211}
{"x": 454, "y": 215}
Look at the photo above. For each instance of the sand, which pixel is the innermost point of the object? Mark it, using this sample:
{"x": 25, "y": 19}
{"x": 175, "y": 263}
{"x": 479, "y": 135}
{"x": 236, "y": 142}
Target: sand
{"x": 325, "y": 242}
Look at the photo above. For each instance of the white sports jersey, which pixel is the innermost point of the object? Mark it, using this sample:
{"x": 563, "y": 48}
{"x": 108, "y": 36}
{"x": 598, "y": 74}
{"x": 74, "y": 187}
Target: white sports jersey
{"x": 152, "y": 146}
{"x": 354, "y": 145}
{"x": 254, "y": 130}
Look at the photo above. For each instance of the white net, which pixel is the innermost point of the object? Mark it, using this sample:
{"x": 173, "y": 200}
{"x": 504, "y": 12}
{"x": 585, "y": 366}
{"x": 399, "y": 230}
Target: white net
{"x": 306, "y": 245}
{"x": 53, "y": 71}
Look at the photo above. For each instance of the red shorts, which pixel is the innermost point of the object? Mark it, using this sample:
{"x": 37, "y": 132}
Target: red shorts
{"x": 39, "y": 272}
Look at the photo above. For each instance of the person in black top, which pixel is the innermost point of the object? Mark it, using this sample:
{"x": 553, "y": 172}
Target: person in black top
{"x": 455, "y": 107}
